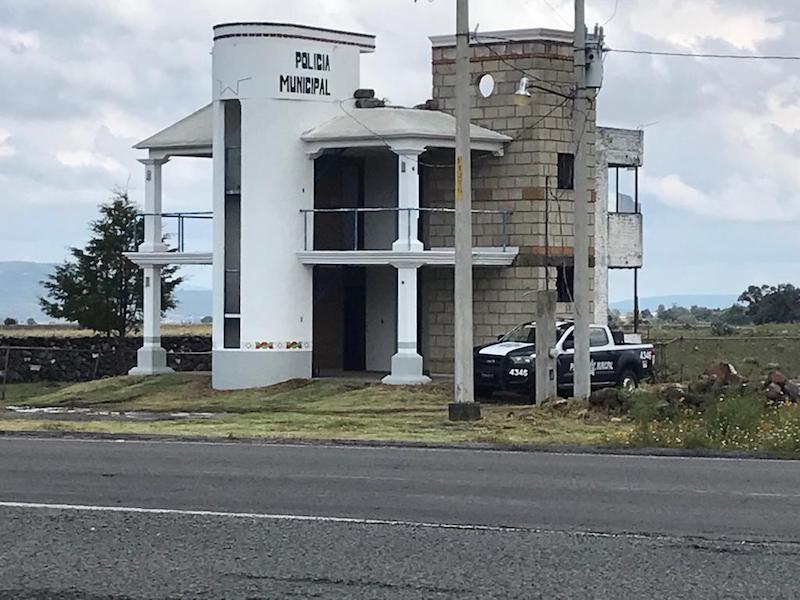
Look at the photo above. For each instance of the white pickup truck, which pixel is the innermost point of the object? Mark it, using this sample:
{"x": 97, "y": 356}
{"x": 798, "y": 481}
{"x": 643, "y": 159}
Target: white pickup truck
{"x": 508, "y": 363}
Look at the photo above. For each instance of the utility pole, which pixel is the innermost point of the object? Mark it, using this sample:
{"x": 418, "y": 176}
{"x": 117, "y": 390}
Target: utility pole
{"x": 464, "y": 407}
{"x": 582, "y": 376}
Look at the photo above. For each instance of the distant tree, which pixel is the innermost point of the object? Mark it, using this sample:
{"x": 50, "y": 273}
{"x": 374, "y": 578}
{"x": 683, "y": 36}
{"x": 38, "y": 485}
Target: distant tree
{"x": 772, "y": 304}
{"x": 701, "y": 313}
{"x": 207, "y": 320}
{"x": 30, "y": 322}
{"x": 735, "y": 315}
{"x": 615, "y": 319}
{"x": 99, "y": 288}
{"x": 9, "y": 321}
{"x": 646, "y": 314}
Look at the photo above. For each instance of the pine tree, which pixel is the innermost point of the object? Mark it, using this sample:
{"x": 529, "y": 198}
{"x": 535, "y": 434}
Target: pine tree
{"x": 99, "y": 288}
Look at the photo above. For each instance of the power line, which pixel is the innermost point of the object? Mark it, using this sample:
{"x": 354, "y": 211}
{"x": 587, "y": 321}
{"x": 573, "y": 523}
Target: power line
{"x": 613, "y": 14}
{"x": 703, "y": 55}
{"x": 558, "y": 14}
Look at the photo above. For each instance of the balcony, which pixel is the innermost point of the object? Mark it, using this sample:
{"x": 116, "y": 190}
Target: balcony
{"x": 398, "y": 236}
{"x": 180, "y": 227}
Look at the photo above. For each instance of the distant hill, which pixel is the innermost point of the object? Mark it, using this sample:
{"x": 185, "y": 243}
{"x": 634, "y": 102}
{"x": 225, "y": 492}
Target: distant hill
{"x": 20, "y": 290}
{"x": 687, "y": 300}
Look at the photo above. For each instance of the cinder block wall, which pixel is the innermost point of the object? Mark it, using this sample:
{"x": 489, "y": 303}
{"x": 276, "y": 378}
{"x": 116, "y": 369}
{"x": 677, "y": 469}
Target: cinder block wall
{"x": 519, "y": 181}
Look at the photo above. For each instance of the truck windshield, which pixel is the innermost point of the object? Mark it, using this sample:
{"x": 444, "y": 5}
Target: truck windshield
{"x": 524, "y": 333}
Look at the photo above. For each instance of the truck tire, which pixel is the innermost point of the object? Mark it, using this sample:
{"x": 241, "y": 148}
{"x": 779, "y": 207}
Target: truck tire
{"x": 628, "y": 380}
{"x": 484, "y": 392}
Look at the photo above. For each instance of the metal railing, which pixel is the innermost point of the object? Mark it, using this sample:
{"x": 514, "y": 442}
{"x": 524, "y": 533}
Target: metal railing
{"x": 181, "y": 218}
{"x": 502, "y": 213}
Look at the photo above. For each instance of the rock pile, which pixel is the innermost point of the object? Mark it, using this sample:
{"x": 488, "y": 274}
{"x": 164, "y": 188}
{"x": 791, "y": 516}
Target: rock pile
{"x": 779, "y": 388}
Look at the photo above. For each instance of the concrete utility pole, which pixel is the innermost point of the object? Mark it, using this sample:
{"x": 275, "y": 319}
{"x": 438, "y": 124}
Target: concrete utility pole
{"x": 464, "y": 408}
{"x": 582, "y": 381}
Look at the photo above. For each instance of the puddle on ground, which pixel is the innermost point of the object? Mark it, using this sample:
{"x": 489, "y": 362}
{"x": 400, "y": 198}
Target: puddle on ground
{"x": 74, "y": 413}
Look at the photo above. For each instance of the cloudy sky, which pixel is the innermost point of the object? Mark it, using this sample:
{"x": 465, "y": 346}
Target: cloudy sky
{"x": 82, "y": 80}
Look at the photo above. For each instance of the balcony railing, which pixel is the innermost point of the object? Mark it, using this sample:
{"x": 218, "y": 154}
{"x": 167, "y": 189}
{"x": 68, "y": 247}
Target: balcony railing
{"x": 180, "y": 219}
{"x": 490, "y": 227}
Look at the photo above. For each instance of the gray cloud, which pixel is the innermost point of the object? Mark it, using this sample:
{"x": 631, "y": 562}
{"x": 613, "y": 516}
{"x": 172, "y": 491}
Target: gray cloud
{"x": 84, "y": 79}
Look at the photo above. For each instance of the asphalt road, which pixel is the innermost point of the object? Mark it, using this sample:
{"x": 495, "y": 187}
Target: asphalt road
{"x": 103, "y": 520}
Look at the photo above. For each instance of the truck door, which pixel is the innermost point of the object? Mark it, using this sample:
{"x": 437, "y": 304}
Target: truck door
{"x": 603, "y": 357}
{"x": 566, "y": 356}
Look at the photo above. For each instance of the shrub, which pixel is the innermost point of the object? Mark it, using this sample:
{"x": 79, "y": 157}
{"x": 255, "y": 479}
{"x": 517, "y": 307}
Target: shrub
{"x": 721, "y": 329}
{"x": 734, "y": 421}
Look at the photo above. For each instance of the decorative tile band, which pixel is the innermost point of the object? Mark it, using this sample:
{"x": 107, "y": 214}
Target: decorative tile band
{"x": 292, "y": 345}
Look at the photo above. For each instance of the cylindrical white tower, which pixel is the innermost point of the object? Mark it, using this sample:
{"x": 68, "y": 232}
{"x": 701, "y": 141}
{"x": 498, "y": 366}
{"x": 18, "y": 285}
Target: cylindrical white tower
{"x": 271, "y": 82}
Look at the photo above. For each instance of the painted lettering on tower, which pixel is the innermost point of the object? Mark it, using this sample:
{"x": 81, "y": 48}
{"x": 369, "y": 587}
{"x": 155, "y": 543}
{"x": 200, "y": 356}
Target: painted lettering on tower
{"x": 310, "y": 84}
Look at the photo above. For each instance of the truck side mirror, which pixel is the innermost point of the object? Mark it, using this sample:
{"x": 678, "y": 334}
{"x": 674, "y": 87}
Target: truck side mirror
{"x": 501, "y": 336}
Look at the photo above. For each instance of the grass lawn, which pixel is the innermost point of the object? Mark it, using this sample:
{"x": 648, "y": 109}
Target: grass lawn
{"x": 320, "y": 409}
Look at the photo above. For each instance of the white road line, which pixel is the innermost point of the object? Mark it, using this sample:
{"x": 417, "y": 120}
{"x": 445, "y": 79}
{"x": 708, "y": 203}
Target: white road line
{"x": 246, "y": 515}
{"x": 321, "y": 519}
{"x": 629, "y": 535}
{"x": 376, "y": 444}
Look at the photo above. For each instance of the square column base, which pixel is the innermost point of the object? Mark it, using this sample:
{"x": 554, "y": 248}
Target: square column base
{"x": 406, "y": 370}
{"x": 464, "y": 411}
{"x": 151, "y": 360}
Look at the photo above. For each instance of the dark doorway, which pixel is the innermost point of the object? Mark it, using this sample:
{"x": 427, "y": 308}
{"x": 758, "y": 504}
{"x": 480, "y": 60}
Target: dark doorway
{"x": 354, "y": 348}
{"x": 340, "y": 319}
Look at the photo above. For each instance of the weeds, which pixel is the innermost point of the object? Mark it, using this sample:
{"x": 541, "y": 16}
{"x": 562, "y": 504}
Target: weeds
{"x": 728, "y": 422}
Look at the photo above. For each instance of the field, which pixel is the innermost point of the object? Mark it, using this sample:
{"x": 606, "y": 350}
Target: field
{"x": 64, "y": 331}
{"x": 685, "y": 353}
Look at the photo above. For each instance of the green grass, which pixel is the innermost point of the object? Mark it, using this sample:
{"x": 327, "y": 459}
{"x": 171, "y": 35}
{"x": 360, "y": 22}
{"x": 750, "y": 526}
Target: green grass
{"x": 357, "y": 410}
{"x": 320, "y": 409}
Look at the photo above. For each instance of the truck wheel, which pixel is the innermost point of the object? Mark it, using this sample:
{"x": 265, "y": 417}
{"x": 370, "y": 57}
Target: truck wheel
{"x": 628, "y": 381}
{"x": 484, "y": 392}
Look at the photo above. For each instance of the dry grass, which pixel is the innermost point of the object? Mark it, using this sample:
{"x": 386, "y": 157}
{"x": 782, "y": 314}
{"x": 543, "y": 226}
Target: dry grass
{"x": 67, "y": 331}
{"x": 321, "y": 409}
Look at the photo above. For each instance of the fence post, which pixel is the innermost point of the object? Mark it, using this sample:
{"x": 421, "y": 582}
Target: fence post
{"x": 5, "y": 375}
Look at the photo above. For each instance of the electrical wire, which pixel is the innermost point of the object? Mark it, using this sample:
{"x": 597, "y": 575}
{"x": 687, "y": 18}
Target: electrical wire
{"x": 613, "y": 14}
{"x": 703, "y": 55}
{"x": 527, "y": 74}
{"x": 558, "y": 14}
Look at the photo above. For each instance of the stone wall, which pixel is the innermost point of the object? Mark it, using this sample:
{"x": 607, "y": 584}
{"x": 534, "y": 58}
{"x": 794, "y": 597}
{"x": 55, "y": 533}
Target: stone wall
{"x": 87, "y": 358}
{"x": 521, "y": 181}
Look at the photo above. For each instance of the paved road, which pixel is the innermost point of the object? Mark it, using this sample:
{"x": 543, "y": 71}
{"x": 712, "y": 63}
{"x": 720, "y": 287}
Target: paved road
{"x": 103, "y": 520}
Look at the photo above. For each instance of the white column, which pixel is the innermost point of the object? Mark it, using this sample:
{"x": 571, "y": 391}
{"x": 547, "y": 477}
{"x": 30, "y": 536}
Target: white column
{"x": 152, "y": 205}
{"x": 407, "y": 363}
{"x": 407, "y": 198}
{"x": 601, "y": 238}
{"x": 151, "y": 358}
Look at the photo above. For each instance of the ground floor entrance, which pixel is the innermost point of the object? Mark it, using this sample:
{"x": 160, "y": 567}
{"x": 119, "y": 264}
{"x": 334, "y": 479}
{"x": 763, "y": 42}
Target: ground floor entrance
{"x": 355, "y": 319}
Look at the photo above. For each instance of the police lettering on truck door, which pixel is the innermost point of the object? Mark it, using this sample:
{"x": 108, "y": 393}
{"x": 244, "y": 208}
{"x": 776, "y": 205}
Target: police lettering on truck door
{"x": 595, "y": 366}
